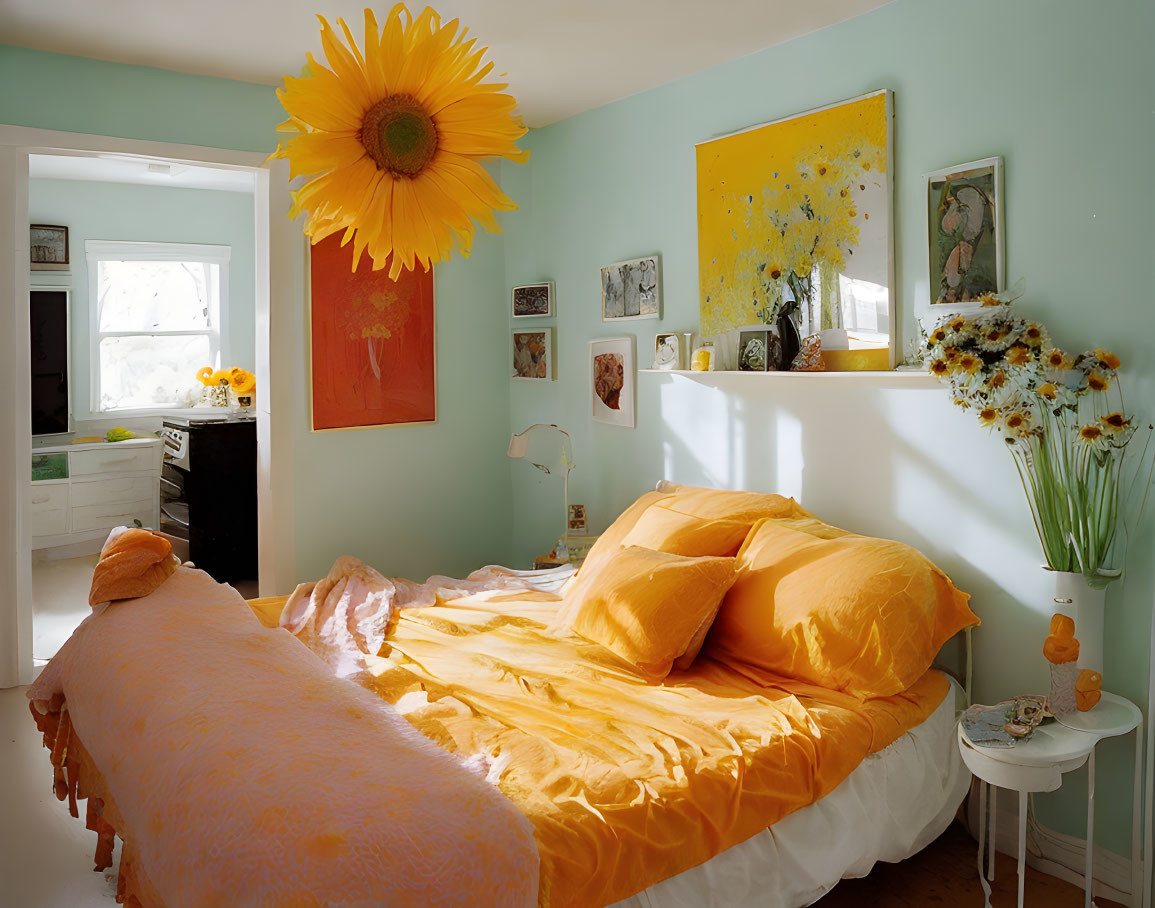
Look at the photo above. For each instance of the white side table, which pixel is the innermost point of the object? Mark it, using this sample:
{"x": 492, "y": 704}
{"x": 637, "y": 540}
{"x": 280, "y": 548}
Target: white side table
{"x": 1039, "y": 764}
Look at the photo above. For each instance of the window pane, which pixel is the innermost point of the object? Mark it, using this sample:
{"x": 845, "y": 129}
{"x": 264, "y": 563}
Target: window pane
{"x": 156, "y": 296}
{"x": 151, "y": 371}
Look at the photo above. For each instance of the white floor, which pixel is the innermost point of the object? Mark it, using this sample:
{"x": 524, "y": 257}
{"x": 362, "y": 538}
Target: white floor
{"x": 59, "y": 600}
{"x": 45, "y": 854}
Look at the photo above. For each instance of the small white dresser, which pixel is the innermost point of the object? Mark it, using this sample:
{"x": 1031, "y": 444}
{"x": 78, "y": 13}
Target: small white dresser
{"x": 80, "y": 492}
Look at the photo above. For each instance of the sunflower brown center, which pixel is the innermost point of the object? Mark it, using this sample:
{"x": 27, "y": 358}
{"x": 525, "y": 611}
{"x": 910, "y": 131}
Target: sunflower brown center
{"x": 399, "y": 135}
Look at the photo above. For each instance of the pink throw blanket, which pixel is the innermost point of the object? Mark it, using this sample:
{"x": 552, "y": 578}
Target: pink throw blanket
{"x": 247, "y": 774}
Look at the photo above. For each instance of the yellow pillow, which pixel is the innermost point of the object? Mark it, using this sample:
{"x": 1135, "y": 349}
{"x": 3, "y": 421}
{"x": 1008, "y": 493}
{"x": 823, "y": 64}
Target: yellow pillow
{"x": 667, "y": 529}
{"x": 647, "y": 606}
{"x": 852, "y": 613}
{"x": 723, "y": 503}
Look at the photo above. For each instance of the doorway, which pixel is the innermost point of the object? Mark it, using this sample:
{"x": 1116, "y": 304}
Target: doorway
{"x": 276, "y": 248}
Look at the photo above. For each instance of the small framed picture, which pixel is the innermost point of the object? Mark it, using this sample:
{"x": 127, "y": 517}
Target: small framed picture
{"x": 632, "y": 289}
{"x": 47, "y": 247}
{"x": 668, "y": 352}
{"x": 612, "y": 381}
{"x": 533, "y": 354}
{"x": 759, "y": 349}
{"x": 577, "y": 519}
{"x": 533, "y": 300}
{"x": 965, "y": 233}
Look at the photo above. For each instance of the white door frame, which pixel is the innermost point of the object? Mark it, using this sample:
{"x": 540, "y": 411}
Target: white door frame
{"x": 279, "y": 261}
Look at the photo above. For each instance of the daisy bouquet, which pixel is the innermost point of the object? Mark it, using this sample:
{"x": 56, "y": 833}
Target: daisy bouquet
{"x": 1063, "y": 419}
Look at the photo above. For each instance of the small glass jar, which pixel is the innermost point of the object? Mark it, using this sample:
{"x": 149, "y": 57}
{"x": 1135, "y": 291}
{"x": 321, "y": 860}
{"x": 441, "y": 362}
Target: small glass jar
{"x": 703, "y": 360}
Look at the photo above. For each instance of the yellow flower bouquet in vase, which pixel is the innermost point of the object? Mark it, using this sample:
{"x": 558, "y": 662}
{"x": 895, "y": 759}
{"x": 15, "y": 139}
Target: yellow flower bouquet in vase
{"x": 233, "y": 387}
{"x": 1063, "y": 420}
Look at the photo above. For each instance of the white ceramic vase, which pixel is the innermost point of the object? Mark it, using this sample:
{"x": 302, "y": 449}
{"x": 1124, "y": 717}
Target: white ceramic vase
{"x": 1085, "y": 606}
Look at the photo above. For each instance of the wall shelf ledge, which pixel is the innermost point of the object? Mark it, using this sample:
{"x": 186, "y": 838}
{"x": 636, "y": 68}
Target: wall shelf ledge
{"x": 895, "y": 378}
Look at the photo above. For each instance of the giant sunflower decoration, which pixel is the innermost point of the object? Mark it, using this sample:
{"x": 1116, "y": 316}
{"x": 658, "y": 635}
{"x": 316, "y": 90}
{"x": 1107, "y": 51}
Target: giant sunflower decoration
{"x": 394, "y": 136}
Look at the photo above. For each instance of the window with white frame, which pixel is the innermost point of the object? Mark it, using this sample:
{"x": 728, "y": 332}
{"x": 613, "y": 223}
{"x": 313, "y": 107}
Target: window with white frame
{"x": 157, "y": 314}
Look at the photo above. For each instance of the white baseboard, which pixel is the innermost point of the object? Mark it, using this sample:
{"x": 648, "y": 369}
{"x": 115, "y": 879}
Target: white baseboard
{"x": 1054, "y": 853}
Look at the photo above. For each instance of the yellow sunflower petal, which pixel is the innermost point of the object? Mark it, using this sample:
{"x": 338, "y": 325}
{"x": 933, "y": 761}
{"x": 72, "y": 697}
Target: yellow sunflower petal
{"x": 346, "y": 65}
{"x": 313, "y": 152}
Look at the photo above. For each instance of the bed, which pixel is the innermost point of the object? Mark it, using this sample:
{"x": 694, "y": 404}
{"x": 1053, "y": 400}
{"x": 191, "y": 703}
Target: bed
{"x": 498, "y": 744}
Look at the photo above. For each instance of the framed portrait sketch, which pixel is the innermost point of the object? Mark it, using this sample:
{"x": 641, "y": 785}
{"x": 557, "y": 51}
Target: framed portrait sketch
{"x": 667, "y": 352}
{"x": 47, "y": 247}
{"x": 533, "y": 354}
{"x": 533, "y": 300}
{"x": 612, "y": 381}
{"x": 632, "y": 289}
{"x": 965, "y": 233}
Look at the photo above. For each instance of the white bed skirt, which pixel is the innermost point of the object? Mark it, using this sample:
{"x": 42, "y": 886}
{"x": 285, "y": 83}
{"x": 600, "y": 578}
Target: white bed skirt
{"x": 893, "y": 805}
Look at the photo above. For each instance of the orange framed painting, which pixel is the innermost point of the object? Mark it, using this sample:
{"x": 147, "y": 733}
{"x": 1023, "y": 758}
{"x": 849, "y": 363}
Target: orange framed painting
{"x": 371, "y": 343}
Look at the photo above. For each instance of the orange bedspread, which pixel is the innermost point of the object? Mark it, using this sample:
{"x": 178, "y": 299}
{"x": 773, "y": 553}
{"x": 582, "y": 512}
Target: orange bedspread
{"x": 626, "y": 783}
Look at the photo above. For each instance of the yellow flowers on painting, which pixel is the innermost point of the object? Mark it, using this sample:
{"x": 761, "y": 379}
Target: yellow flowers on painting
{"x": 794, "y": 219}
{"x": 392, "y": 135}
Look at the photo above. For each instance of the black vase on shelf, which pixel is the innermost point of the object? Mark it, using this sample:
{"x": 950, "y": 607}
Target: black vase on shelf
{"x": 789, "y": 341}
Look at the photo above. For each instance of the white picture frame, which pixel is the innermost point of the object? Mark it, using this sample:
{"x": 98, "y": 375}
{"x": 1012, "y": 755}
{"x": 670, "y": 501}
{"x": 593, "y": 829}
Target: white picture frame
{"x": 668, "y": 355}
{"x": 990, "y": 172}
{"x": 526, "y": 300}
{"x": 531, "y": 354}
{"x": 614, "y": 406}
{"x": 632, "y": 289}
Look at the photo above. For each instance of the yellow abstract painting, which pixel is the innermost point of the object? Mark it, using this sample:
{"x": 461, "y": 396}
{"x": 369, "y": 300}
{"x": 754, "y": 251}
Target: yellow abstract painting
{"x": 794, "y": 219}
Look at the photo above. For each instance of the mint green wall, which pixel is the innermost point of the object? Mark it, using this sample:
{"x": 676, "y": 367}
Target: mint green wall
{"x": 408, "y": 500}
{"x": 76, "y": 94}
{"x": 1059, "y": 88}
{"x": 122, "y": 212}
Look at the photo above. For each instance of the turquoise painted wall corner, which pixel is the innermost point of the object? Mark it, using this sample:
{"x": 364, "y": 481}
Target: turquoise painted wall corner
{"x": 1063, "y": 91}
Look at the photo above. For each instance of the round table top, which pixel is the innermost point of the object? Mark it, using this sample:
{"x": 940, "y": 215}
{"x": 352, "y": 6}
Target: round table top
{"x": 1055, "y": 742}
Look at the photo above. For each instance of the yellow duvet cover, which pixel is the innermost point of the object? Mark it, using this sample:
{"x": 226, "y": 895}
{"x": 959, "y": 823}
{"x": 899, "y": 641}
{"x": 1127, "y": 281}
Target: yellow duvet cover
{"x": 625, "y": 782}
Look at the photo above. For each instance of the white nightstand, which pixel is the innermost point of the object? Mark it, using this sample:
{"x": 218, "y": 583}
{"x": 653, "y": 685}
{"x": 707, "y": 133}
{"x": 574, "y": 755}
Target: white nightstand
{"x": 1039, "y": 764}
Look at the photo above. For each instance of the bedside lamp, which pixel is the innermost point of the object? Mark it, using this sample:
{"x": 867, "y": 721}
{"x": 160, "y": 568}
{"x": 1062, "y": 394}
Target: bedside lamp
{"x": 548, "y": 448}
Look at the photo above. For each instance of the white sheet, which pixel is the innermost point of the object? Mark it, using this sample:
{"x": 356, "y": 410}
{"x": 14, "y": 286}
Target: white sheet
{"x": 893, "y": 805}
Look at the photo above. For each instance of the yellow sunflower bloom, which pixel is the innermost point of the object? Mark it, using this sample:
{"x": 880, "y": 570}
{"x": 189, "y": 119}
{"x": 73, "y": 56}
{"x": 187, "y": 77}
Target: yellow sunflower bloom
{"x": 969, "y": 363}
{"x": 1108, "y": 360}
{"x": 1018, "y": 355}
{"x": 1090, "y": 434}
{"x": 393, "y": 137}
{"x": 988, "y": 416}
{"x": 1047, "y": 390}
{"x": 242, "y": 380}
{"x": 940, "y": 367}
{"x": 1113, "y": 423}
{"x": 1097, "y": 382}
{"x": 219, "y": 376}
{"x": 1057, "y": 359}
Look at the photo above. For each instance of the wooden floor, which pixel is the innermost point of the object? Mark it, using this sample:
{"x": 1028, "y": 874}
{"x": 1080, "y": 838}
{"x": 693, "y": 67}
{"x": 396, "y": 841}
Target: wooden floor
{"x": 945, "y": 875}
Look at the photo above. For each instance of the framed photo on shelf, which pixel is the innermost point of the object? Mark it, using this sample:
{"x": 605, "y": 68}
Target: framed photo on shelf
{"x": 533, "y": 300}
{"x": 965, "y": 233}
{"x": 613, "y": 381}
{"x": 667, "y": 352}
{"x": 532, "y": 352}
{"x": 47, "y": 247}
{"x": 632, "y": 289}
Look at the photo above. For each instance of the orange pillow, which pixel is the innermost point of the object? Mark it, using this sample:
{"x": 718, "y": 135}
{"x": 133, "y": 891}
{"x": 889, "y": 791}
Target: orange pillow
{"x": 132, "y": 563}
{"x": 852, "y": 613}
{"x": 667, "y": 529}
{"x": 647, "y": 606}
{"x": 723, "y": 503}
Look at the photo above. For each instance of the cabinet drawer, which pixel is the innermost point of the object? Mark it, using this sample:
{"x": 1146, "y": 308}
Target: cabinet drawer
{"x": 50, "y": 523}
{"x": 48, "y": 497}
{"x": 107, "y": 516}
{"x": 136, "y": 459}
{"x": 114, "y": 491}
{"x": 50, "y": 466}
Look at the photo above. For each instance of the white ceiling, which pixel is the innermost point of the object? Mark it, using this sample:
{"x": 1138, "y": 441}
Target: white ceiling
{"x": 561, "y": 56}
{"x": 107, "y": 168}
